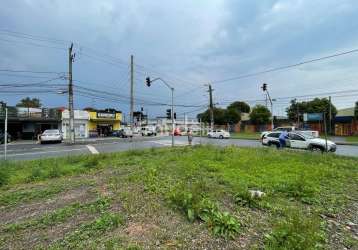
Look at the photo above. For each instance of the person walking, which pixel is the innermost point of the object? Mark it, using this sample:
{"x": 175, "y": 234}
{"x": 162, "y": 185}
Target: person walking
{"x": 282, "y": 139}
{"x": 190, "y": 137}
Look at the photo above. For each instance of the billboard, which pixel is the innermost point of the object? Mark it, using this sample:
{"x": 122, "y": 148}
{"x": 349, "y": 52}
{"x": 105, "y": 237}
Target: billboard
{"x": 308, "y": 117}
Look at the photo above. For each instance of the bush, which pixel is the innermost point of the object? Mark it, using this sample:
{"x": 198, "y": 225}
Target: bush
{"x": 196, "y": 207}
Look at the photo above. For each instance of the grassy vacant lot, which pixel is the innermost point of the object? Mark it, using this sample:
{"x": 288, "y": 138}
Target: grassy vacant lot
{"x": 243, "y": 135}
{"x": 186, "y": 198}
{"x": 352, "y": 138}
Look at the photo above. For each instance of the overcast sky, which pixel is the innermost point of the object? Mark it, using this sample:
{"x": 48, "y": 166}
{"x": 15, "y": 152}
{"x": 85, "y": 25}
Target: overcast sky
{"x": 188, "y": 43}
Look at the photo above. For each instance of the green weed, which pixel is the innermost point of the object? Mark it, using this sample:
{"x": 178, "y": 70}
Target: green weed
{"x": 296, "y": 231}
{"x": 4, "y": 177}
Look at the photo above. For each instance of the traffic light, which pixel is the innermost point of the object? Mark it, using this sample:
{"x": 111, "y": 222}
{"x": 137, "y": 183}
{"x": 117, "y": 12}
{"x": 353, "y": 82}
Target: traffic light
{"x": 169, "y": 113}
{"x": 148, "y": 81}
{"x": 264, "y": 87}
{"x": 175, "y": 115}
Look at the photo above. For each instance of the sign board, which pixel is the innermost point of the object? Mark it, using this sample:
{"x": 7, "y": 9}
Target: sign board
{"x": 106, "y": 115}
{"x": 307, "y": 117}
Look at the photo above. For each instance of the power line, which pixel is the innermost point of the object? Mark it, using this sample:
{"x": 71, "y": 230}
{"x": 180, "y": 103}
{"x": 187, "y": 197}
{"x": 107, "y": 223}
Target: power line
{"x": 286, "y": 67}
{"x": 30, "y": 71}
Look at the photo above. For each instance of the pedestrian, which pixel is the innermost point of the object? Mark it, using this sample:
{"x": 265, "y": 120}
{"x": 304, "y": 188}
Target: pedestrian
{"x": 190, "y": 137}
{"x": 282, "y": 139}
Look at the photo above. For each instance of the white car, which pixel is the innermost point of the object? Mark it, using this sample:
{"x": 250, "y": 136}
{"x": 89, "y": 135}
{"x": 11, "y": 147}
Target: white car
{"x": 127, "y": 132}
{"x": 148, "y": 131}
{"x": 299, "y": 140}
{"x": 221, "y": 134}
{"x": 290, "y": 129}
{"x": 51, "y": 135}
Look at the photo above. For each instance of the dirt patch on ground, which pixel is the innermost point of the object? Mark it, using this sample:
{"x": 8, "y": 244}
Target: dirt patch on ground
{"x": 343, "y": 228}
{"x": 30, "y": 239}
{"x": 80, "y": 194}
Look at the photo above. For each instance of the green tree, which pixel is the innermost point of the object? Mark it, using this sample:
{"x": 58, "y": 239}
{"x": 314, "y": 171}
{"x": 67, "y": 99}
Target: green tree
{"x": 221, "y": 116}
{"x": 29, "y": 103}
{"x": 260, "y": 115}
{"x": 318, "y": 105}
{"x": 356, "y": 111}
{"x": 232, "y": 116}
{"x": 241, "y": 107}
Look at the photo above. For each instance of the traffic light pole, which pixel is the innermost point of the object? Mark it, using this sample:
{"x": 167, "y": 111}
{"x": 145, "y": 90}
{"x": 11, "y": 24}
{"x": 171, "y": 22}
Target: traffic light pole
{"x": 172, "y": 95}
{"x": 5, "y": 135}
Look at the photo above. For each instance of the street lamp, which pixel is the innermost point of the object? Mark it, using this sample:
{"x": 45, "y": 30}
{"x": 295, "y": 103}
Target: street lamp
{"x": 149, "y": 82}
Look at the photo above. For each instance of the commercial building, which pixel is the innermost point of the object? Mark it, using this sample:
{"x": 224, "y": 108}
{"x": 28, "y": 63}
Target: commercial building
{"x": 104, "y": 122}
{"x": 81, "y": 120}
{"x": 345, "y": 124}
{"x": 27, "y": 123}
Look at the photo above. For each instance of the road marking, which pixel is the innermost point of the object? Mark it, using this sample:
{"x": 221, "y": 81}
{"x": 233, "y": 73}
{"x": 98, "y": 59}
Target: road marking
{"x": 45, "y": 152}
{"x": 92, "y": 149}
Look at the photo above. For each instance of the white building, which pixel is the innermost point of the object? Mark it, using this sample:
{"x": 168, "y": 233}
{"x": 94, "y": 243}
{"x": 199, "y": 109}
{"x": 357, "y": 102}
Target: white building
{"x": 81, "y": 118}
{"x": 164, "y": 124}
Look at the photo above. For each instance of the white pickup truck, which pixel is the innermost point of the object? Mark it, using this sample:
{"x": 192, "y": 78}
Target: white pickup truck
{"x": 290, "y": 129}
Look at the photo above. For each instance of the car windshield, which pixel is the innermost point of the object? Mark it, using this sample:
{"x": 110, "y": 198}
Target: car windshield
{"x": 307, "y": 136}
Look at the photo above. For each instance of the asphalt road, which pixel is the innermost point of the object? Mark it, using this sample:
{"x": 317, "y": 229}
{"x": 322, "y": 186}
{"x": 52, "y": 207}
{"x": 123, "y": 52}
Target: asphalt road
{"x": 31, "y": 150}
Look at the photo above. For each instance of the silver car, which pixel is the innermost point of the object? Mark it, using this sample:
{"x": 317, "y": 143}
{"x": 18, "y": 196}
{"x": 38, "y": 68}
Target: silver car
{"x": 51, "y": 135}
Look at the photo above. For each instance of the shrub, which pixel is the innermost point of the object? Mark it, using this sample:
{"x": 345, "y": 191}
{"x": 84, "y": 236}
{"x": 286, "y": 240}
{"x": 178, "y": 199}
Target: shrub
{"x": 196, "y": 207}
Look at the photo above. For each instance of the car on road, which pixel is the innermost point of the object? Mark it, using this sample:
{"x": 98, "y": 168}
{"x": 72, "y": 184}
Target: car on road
{"x": 299, "y": 140}
{"x": 126, "y": 132}
{"x": 220, "y": 133}
{"x": 148, "y": 131}
{"x": 2, "y": 137}
{"x": 291, "y": 129}
{"x": 51, "y": 135}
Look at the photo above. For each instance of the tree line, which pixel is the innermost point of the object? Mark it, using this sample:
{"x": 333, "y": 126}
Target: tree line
{"x": 260, "y": 114}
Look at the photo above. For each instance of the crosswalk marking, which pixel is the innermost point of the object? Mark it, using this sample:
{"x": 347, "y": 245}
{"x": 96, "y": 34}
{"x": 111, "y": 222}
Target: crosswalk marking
{"x": 92, "y": 149}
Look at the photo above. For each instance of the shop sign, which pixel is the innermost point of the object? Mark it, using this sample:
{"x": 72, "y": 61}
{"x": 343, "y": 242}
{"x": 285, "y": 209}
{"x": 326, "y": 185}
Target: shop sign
{"x": 106, "y": 115}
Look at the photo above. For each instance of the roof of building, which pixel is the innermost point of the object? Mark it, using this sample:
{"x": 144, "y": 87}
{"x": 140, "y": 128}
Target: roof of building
{"x": 245, "y": 116}
{"x": 345, "y": 112}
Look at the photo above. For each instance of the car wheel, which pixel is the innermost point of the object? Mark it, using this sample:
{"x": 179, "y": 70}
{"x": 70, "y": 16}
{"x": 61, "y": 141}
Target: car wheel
{"x": 221, "y": 137}
{"x": 315, "y": 148}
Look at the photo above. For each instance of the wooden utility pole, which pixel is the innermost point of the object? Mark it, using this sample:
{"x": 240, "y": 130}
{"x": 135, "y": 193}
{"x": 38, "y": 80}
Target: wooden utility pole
{"x": 71, "y": 58}
{"x": 132, "y": 94}
{"x": 330, "y": 115}
{"x": 211, "y": 105}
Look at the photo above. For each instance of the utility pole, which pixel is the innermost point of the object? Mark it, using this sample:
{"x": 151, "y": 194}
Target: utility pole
{"x": 71, "y": 58}
{"x": 132, "y": 94}
{"x": 330, "y": 115}
{"x": 298, "y": 114}
{"x": 211, "y": 107}
{"x": 3, "y": 106}
{"x": 5, "y": 135}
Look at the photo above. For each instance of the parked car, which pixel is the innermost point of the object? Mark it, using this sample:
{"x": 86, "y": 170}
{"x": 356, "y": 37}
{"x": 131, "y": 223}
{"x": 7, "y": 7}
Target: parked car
{"x": 126, "y": 132}
{"x": 290, "y": 129}
{"x": 118, "y": 133}
{"x": 299, "y": 140}
{"x": 2, "y": 137}
{"x": 148, "y": 131}
{"x": 221, "y": 134}
{"x": 51, "y": 135}
{"x": 177, "y": 132}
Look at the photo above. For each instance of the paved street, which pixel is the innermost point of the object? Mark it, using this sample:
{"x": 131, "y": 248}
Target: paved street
{"x": 31, "y": 150}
